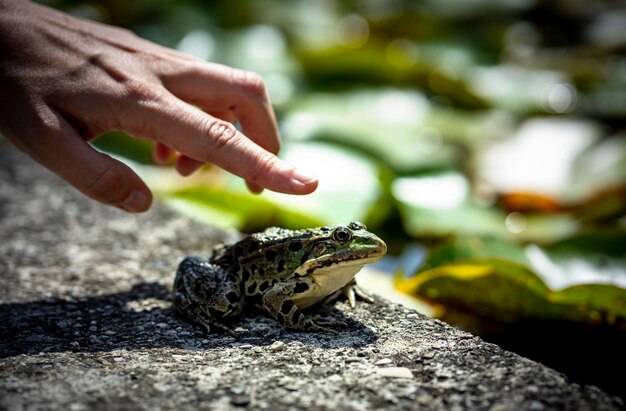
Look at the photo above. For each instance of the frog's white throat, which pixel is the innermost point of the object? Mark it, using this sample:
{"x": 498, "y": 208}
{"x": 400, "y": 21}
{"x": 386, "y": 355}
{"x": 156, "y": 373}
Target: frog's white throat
{"x": 328, "y": 278}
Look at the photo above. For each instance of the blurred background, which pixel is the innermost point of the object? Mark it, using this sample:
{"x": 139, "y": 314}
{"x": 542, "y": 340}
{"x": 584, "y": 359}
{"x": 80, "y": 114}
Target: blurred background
{"x": 483, "y": 140}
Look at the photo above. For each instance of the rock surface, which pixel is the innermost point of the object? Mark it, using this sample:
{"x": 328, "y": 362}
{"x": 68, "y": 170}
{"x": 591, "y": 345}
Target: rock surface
{"x": 86, "y": 323}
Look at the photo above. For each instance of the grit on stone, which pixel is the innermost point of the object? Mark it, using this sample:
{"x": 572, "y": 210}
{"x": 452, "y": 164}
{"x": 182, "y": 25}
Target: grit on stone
{"x": 86, "y": 323}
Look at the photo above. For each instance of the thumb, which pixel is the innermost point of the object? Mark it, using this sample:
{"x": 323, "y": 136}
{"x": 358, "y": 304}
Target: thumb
{"x": 95, "y": 174}
{"x": 112, "y": 182}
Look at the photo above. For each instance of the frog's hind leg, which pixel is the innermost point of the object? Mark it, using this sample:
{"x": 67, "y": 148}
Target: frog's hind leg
{"x": 206, "y": 293}
{"x": 196, "y": 315}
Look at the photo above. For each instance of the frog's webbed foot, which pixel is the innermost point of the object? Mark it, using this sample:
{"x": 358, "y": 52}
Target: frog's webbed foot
{"x": 351, "y": 291}
{"x": 329, "y": 324}
{"x": 319, "y": 324}
{"x": 287, "y": 312}
{"x": 219, "y": 326}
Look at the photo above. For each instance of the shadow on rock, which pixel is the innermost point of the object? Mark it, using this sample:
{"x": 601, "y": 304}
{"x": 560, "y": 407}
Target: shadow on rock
{"x": 143, "y": 318}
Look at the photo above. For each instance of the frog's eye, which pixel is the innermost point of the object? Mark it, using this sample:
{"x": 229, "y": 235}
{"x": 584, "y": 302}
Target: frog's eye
{"x": 342, "y": 235}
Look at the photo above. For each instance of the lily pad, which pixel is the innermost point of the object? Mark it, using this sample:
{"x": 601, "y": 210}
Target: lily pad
{"x": 439, "y": 204}
{"x": 500, "y": 281}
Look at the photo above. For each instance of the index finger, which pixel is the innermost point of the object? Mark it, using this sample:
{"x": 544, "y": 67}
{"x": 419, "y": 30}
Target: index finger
{"x": 205, "y": 138}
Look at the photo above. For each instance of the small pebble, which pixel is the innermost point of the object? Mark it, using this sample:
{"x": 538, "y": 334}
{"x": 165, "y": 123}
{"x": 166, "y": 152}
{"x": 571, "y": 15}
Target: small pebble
{"x": 240, "y": 400}
{"x": 277, "y": 346}
{"x": 395, "y": 372}
{"x": 384, "y": 361}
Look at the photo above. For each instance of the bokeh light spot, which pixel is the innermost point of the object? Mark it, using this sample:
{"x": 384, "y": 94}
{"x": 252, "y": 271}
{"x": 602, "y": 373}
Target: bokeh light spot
{"x": 431, "y": 140}
{"x": 352, "y": 31}
{"x": 560, "y": 98}
{"x": 402, "y": 53}
{"x": 515, "y": 222}
{"x": 199, "y": 43}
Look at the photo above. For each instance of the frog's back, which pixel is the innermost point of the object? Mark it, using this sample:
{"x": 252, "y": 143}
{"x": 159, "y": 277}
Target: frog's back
{"x": 251, "y": 245}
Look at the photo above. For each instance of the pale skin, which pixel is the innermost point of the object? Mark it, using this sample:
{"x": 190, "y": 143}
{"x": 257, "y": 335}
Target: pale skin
{"x": 64, "y": 81}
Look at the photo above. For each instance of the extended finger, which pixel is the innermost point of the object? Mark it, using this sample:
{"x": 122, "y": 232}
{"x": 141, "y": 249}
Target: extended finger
{"x": 187, "y": 166}
{"x": 207, "y": 139}
{"x": 230, "y": 117}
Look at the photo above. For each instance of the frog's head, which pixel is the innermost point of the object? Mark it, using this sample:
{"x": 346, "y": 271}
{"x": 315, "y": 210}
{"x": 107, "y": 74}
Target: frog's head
{"x": 342, "y": 245}
{"x": 334, "y": 255}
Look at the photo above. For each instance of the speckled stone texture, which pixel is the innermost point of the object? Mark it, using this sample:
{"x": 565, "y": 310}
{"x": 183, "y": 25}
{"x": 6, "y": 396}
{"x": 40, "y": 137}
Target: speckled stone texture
{"x": 86, "y": 323}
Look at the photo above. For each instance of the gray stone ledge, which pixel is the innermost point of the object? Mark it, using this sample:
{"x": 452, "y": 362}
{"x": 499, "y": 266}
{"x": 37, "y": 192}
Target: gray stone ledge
{"x": 86, "y": 323}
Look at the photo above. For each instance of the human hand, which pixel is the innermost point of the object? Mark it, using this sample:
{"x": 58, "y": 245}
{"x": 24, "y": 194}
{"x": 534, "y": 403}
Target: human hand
{"x": 65, "y": 81}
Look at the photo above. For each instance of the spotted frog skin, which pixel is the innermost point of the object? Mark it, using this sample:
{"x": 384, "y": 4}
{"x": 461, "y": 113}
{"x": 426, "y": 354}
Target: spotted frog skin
{"x": 279, "y": 271}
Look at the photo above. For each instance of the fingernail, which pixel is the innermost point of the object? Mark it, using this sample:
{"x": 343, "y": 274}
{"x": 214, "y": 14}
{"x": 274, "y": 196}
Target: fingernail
{"x": 136, "y": 201}
{"x": 303, "y": 178}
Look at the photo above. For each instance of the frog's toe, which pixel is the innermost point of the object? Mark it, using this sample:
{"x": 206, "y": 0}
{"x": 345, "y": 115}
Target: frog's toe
{"x": 225, "y": 329}
{"x": 350, "y": 292}
{"x": 329, "y": 323}
{"x": 322, "y": 328}
{"x": 363, "y": 295}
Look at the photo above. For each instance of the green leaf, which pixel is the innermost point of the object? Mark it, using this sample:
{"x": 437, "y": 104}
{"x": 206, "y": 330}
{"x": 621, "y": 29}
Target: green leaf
{"x": 228, "y": 209}
{"x": 121, "y": 144}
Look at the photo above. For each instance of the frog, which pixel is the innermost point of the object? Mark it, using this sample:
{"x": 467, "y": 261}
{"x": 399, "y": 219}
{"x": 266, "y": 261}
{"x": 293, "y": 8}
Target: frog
{"x": 279, "y": 271}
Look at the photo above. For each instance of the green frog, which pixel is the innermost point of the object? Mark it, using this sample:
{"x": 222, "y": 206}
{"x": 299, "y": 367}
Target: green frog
{"x": 280, "y": 271}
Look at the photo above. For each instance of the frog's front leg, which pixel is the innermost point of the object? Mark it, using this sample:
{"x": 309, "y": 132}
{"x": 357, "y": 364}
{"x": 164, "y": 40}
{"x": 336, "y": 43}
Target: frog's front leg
{"x": 206, "y": 293}
{"x": 279, "y": 304}
{"x": 351, "y": 291}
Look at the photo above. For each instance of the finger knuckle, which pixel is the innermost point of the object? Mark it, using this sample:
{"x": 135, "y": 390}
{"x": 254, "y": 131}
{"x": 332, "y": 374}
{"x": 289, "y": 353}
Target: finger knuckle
{"x": 262, "y": 167}
{"x": 142, "y": 91}
{"x": 128, "y": 34}
{"x": 222, "y": 134}
{"x": 107, "y": 186}
{"x": 250, "y": 82}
